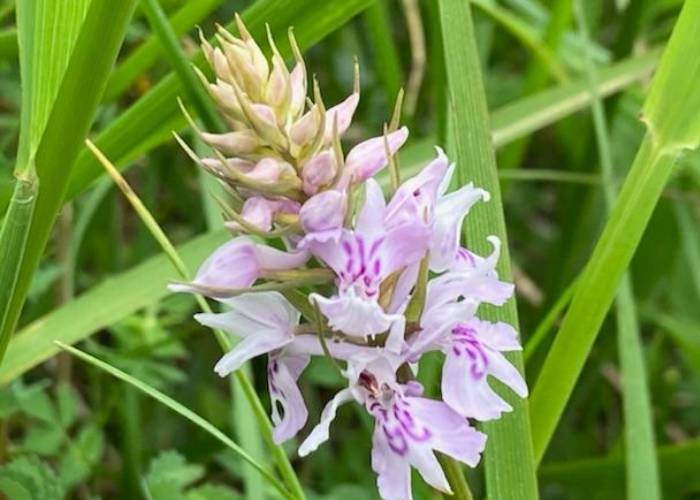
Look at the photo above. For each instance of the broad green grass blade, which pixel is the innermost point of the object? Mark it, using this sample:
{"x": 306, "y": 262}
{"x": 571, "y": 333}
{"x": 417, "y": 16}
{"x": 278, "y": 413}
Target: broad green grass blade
{"x": 47, "y": 30}
{"x": 178, "y": 408}
{"x": 152, "y": 118}
{"x": 149, "y": 52}
{"x": 640, "y": 449}
{"x": 605, "y": 476}
{"x": 510, "y": 468}
{"x": 670, "y": 113}
{"x": 67, "y": 117}
{"x": 103, "y": 305}
{"x": 528, "y": 114}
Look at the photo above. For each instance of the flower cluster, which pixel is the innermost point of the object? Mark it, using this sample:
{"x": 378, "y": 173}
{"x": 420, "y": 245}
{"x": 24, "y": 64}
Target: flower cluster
{"x": 394, "y": 281}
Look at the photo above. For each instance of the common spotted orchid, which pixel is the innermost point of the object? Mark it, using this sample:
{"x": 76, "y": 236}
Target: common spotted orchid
{"x": 380, "y": 281}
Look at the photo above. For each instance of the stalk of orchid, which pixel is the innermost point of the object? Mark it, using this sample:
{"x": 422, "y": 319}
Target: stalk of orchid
{"x": 396, "y": 281}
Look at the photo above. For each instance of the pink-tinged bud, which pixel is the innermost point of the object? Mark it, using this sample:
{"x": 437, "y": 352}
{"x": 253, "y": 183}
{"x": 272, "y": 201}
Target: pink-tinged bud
{"x": 220, "y": 64}
{"x": 369, "y": 157}
{"x": 305, "y": 128}
{"x": 277, "y": 90}
{"x": 324, "y": 212}
{"x": 265, "y": 113}
{"x": 343, "y": 113}
{"x": 270, "y": 170}
{"x": 231, "y": 167}
{"x": 238, "y": 264}
{"x": 319, "y": 171}
{"x": 260, "y": 211}
{"x": 226, "y": 98}
{"x": 233, "y": 143}
{"x": 298, "y": 89}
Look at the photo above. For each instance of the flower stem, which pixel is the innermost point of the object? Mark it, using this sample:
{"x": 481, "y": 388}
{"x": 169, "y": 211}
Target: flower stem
{"x": 455, "y": 476}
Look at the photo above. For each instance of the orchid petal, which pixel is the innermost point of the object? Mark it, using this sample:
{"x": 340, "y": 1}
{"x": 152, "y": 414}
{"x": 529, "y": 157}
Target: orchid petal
{"x": 449, "y": 215}
{"x": 283, "y": 373}
{"x": 319, "y": 434}
{"x": 370, "y": 156}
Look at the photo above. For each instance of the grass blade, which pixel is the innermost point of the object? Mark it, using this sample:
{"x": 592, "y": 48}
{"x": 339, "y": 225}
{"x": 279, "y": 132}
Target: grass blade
{"x": 191, "y": 85}
{"x": 13, "y": 240}
{"x": 510, "y": 469}
{"x": 178, "y": 408}
{"x": 147, "y": 54}
{"x": 673, "y": 125}
{"x": 70, "y": 116}
{"x": 640, "y": 450}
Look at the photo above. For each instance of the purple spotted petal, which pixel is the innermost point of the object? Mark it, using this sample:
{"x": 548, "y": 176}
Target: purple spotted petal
{"x": 469, "y": 361}
{"x": 452, "y": 434}
{"x": 416, "y": 197}
{"x": 393, "y": 473}
{"x": 283, "y": 371}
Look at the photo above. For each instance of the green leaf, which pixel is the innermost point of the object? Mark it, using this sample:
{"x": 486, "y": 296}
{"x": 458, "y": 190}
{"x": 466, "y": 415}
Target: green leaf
{"x": 510, "y": 468}
{"x": 212, "y": 492}
{"x": 169, "y": 474}
{"x": 103, "y": 305}
{"x": 182, "y": 410}
{"x": 81, "y": 457}
{"x": 59, "y": 116}
{"x": 668, "y": 135}
{"x": 68, "y": 404}
{"x": 28, "y": 478}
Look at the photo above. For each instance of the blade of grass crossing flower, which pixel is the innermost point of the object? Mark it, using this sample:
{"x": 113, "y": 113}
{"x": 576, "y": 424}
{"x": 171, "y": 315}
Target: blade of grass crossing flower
{"x": 149, "y": 221}
{"x": 673, "y": 125}
{"x": 148, "y": 53}
{"x": 640, "y": 450}
{"x": 510, "y": 469}
{"x": 54, "y": 122}
{"x": 178, "y": 408}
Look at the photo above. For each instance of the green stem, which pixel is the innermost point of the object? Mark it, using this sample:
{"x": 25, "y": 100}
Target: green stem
{"x": 455, "y": 476}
